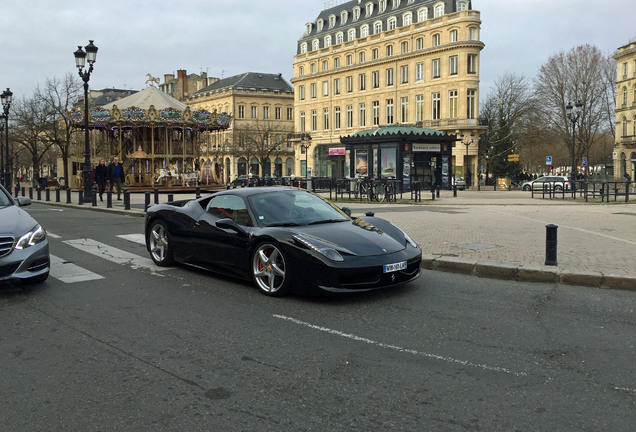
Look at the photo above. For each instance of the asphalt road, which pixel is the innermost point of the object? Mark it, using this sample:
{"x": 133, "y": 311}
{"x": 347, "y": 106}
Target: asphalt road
{"x": 129, "y": 347}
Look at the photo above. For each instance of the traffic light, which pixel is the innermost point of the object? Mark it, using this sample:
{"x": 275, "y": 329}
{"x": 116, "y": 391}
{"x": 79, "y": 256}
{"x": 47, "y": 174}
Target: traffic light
{"x": 550, "y": 167}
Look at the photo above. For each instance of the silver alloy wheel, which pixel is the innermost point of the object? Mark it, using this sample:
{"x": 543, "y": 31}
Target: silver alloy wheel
{"x": 159, "y": 244}
{"x": 268, "y": 268}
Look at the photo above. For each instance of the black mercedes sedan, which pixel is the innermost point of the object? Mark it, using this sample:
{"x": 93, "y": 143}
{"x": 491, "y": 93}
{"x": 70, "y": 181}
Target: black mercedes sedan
{"x": 284, "y": 239}
{"x": 24, "y": 247}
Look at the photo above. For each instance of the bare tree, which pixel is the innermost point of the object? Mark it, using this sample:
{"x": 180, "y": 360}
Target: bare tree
{"x": 32, "y": 127}
{"x": 58, "y": 97}
{"x": 262, "y": 139}
{"x": 581, "y": 74}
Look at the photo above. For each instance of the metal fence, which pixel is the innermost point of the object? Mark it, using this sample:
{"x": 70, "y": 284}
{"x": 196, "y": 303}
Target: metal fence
{"x": 590, "y": 190}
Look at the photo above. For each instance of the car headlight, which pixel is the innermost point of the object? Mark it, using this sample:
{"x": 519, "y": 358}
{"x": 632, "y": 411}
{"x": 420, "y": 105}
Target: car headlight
{"x": 318, "y": 246}
{"x": 33, "y": 237}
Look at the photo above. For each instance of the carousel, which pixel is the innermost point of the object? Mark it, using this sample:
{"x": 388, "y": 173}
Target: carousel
{"x": 160, "y": 140}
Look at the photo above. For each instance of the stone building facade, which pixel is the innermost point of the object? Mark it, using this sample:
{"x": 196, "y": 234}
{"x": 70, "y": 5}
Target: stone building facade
{"x": 625, "y": 146}
{"x": 257, "y": 141}
{"x": 372, "y": 63}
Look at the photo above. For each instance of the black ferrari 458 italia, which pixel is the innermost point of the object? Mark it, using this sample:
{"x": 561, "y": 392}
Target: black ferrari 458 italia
{"x": 284, "y": 239}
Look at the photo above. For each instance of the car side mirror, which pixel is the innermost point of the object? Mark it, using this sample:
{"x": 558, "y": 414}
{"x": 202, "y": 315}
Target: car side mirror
{"x": 229, "y": 224}
{"x": 346, "y": 211}
{"x": 23, "y": 201}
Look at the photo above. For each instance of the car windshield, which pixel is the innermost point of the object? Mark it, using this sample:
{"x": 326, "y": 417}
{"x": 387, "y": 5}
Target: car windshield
{"x": 293, "y": 208}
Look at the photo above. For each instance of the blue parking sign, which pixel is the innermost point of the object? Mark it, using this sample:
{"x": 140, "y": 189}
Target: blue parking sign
{"x": 584, "y": 161}
{"x": 548, "y": 160}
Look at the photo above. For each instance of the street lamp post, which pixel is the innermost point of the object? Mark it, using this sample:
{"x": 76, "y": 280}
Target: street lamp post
{"x": 467, "y": 143}
{"x": 7, "y": 97}
{"x": 305, "y": 148}
{"x": 80, "y": 61}
{"x": 573, "y": 114}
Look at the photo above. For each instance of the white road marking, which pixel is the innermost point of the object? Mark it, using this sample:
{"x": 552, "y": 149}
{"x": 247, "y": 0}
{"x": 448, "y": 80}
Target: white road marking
{"x": 69, "y": 272}
{"x": 405, "y": 350}
{"x": 115, "y": 255}
{"x": 135, "y": 238}
{"x": 55, "y": 236}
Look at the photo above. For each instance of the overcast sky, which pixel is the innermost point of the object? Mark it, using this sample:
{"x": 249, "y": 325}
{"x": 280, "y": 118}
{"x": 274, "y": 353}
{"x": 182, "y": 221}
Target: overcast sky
{"x": 228, "y": 37}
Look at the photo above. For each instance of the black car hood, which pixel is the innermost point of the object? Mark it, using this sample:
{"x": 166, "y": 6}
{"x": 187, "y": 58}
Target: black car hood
{"x": 358, "y": 237}
{"x": 15, "y": 221}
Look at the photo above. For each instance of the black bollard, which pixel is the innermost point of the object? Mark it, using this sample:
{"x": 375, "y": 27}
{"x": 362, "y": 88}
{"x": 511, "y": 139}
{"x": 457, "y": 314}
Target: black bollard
{"x": 39, "y": 194}
{"x": 109, "y": 199}
{"x": 47, "y": 194}
{"x": 94, "y": 196}
{"x": 156, "y": 192}
{"x": 80, "y": 200}
{"x": 23, "y": 191}
{"x": 455, "y": 191}
{"x": 147, "y": 201}
{"x": 57, "y": 195}
{"x": 170, "y": 197}
{"x": 68, "y": 196}
{"x": 126, "y": 199}
{"x": 31, "y": 192}
{"x": 198, "y": 192}
{"x": 551, "y": 245}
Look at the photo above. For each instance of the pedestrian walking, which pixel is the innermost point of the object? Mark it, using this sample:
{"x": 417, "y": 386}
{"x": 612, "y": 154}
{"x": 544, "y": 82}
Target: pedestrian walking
{"x": 101, "y": 174}
{"x": 116, "y": 176}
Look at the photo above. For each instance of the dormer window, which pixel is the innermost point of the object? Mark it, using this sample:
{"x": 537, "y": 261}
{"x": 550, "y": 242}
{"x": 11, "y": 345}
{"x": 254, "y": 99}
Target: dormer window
{"x": 315, "y": 45}
{"x": 344, "y": 15}
{"x": 303, "y": 48}
{"x": 422, "y": 15}
{"x": 382, "y": 6}
{"x": 438, "y": 10}
{"x": 308, "y": 27}
{"x": 396, "y": 3}
{"x": 364, "y": 31}
{"x": 356, "y": 13}
{"x": 320, "y": 23}
{"x": 462, "y": 5}
{"x": 377, "y": 27}
{"x": 332, "y": 21}
{"x": 368, "y": 9}
{"x": 391, "y": 23}
{"x": 327, "y": 41}
{"x": 339, "y": 38}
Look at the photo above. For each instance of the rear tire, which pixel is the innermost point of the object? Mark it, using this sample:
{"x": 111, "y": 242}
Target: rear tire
{"x": 159, "y": 243}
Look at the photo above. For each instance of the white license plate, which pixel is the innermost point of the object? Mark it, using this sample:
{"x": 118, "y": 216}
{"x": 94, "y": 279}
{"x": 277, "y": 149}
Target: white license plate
{"x": 388, "y": 268}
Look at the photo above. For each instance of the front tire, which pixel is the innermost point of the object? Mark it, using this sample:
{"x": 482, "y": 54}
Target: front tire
{"x": 159, "y": 243}
{"x": 269, "y": 270}
{"x": 526, "y": 188}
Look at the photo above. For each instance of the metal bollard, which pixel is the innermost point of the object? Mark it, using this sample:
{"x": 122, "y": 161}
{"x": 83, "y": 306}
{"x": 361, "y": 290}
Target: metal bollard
{"x": 80, "y": 200}
{"x": 23, "y": 191}
{"x": 39, "y": 195}
{"x": 126, "y": 199}
{"x": 109, "y": 199}
{"x": 455, "y": 191}
{"x": 170, "y": 197}
{"x": 47, "y": 194}
{"x": 551, "y": 245}
{"x": 146, "y": 201}
{"x": 198, "y": 192}
{"x": 57, "y": 195}
{"x": 31, "y": 192}
{"x": 68, "y": 196}
{"x": 94, "y": 199}
{"x": 156, "y": 192}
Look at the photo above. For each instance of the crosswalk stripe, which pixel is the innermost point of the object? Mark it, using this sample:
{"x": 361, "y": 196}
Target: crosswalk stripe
{"x": 114, "y": 254}
{"x": 68, "y": 272}
{"x": 135, "y": 238}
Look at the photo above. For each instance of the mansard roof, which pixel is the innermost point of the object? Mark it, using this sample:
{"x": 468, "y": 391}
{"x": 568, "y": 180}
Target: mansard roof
{"x": 249, "y": 81}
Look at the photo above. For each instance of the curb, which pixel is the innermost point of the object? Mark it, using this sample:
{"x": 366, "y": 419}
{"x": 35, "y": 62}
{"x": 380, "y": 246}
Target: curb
{"x": 527, "y": 272}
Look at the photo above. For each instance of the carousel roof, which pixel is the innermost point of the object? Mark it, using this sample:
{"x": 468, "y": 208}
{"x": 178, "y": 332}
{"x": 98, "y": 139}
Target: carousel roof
{"x": 150, "y": 96}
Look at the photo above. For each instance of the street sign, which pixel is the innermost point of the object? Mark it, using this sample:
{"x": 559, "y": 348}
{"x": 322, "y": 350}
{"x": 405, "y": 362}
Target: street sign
{"x": 548, "y": 160}
{"x": 584, "y": 161}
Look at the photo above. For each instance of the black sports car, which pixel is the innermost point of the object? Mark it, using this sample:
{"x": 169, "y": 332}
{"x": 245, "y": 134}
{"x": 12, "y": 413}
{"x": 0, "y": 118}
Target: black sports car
{"x": 284, "y": 239}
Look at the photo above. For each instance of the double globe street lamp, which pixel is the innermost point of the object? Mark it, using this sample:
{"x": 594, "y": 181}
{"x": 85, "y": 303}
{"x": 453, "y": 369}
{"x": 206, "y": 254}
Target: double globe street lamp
{"x": 467, "y": 143}
{"x": 7, "y": 98}
{"x": 81, "y": 57}
{"x": 573, "y": 114}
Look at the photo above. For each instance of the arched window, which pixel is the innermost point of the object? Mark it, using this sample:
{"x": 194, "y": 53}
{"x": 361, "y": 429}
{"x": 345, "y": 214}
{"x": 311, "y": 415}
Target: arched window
{"x": 389, "y": 50}
{"x": 473, "y": 33}
{"x": 319, "y": 24}
{"x": 396, "y": 3}
{"x": 419, "y": 43}
{"x": 391, "y": 23}
{"x": 327, "y": 41}
{"x": 301, "y": 71}
{"x": 436, "y": 39}
{"x": 368, "y": 9}
{"x": 422, "y": 14}
{"x": 344, "y": 16}
{"x": 377, "y": 27}
{"x": 381, "y": 6}
{"x": 438, "y": 10}
{"x": 313, "y": 68}
{"x": 453, "y": 35}
{"x": 364, "y": 30}
{"x": 624, "y": 96}
{"x": 462, "y": 5}
{"x": 405, "y": 47}
{"x": 339, "y": 38}
{"x": 315, "y": 44}
{"x": 332, "y": 21}
{"x": 356, "y": 13}
{"x": 308, "y": 27}
{"x": 362, "y": 57}
{"x": 407, "y": 19}
{"x": 351, "y": 34}
{"x": 374, "y": 54}
{"x": 303, "y": 48}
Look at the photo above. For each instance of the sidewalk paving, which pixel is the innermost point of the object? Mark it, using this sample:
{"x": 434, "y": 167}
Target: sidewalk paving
{"x": 496, "y": 234}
